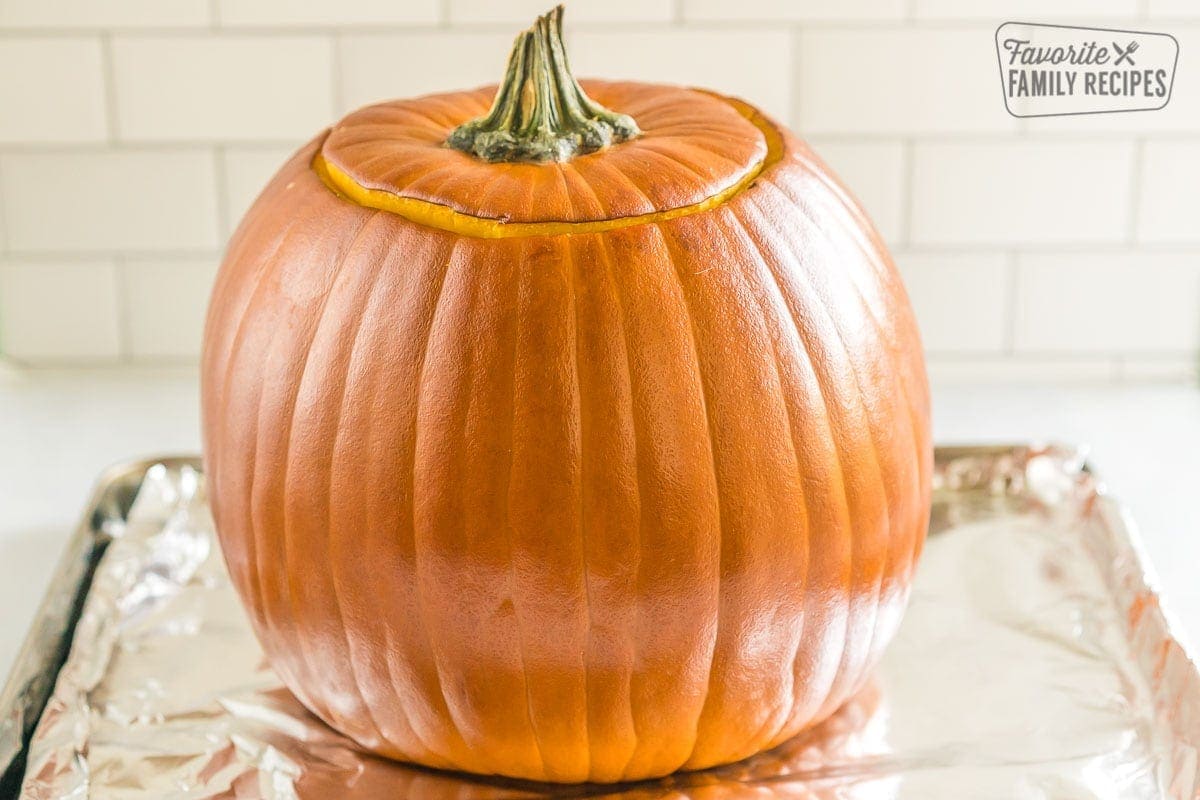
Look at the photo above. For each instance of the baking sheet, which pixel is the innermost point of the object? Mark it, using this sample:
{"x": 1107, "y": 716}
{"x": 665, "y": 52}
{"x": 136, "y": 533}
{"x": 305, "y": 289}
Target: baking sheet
{"x": 1034, "y": 661}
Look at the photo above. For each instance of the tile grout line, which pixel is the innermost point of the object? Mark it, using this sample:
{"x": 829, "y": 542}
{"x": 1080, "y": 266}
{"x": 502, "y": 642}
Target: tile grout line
{"x": 1104, "y": 371}
{"x": 908, "y": 19}
{"x": 4, "y": 236}
{"x": 1120, "y": 248}
{"x": 124, "y": 331}
{"x": 336, "y": 76}
{"x": 1053, "y": 355}
{"x": 383, "y": 28}
{"x": 1012, "y": 285}
{"x": 148, "y": 146}
{"x": 83, "y": 256}
{"x": 221, "y": 185}
{"x": 839, "y": 137}
{"x": 795, "y": 64}
{"x": 1136, "y": 177}
{"x": 109, "y": 76}
{"x": 5, "y": 233}
{"x": 189, "y": 363}
{"x": 908, "y": 184}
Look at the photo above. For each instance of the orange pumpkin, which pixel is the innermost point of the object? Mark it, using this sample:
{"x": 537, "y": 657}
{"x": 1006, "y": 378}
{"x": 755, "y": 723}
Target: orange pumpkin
{"x": 592, "y": 446}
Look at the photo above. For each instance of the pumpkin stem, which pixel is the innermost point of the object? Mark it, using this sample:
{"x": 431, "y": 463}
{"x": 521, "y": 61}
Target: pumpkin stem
{"x": 541, "y": 113}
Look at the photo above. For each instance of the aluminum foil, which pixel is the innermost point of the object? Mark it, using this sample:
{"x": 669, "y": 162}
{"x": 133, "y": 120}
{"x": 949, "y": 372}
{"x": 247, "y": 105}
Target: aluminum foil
{"x": 1034, "y": 662}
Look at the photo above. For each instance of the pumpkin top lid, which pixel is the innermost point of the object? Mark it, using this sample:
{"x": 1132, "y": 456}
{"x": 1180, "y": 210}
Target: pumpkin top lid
{"x": 548, "y": 151}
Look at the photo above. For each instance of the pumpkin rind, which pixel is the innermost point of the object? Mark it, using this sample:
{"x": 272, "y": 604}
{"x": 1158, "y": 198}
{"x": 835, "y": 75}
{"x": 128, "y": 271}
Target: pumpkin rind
{"x": 693, "y": 145}
{"x": 596, "y": 506}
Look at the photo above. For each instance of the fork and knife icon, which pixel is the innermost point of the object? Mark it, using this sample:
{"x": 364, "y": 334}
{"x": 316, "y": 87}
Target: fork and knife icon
{"x": 1125, "y": 55}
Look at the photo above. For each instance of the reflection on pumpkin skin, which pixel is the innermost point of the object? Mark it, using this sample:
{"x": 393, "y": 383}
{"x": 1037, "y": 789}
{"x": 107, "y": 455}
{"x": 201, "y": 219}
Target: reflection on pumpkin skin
{"x": 819, "y": 764}
{"x": 567, "y": 471}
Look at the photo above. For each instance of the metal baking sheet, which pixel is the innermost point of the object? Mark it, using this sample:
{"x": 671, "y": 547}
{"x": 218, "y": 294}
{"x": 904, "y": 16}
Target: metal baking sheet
{"x": 1035, "y": 661}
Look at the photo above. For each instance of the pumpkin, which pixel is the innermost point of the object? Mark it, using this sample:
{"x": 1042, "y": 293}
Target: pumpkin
{"x": 565, "y": 431}
{"x": 819, "y": 764}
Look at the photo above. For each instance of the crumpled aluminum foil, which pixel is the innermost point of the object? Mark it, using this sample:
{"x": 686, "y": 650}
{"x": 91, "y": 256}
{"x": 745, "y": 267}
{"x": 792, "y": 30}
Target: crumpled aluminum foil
{"x": 1034, "y": 662}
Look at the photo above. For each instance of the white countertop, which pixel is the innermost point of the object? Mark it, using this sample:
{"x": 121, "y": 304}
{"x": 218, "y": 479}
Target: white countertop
{"x": 59, "y": 429}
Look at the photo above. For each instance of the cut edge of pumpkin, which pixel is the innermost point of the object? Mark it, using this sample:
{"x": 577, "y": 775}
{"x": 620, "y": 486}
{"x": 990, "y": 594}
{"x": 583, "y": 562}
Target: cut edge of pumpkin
{"x": 443, "y": 217}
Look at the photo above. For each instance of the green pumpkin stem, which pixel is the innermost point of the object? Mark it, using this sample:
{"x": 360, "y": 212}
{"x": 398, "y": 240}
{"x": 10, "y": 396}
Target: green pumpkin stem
{"x": 541, "y": 113}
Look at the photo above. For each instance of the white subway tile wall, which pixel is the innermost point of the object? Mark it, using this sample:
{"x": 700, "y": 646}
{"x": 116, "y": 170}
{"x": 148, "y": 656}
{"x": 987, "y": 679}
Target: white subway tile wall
{"x": 798, "y": 11}
{"x": 748, "y": 62}
{"x": 162, "y": 319}
{"x": 303, "y": 13}
{"x": 1020, "y": 192}
{"x": 1168, "y": 200}
{"x": 245, "y": 170}
{"x": 104, "y": 14}
{"x": 221, "y": 88}
{"x": 901, "y": 80}
{"x": 874, "y": 172}
{"x": 109, "y": 201}
{"x": 1073, "y": 11}
{"x": 520, "y": 12}
{"x": 56, "y": 310}
{"x": 961, "y": 299}
{"x": 375, "y": 67}
{"x": 1103, "y": 302}
{"x": 66, "y": 101}
{"x": 1171, "y": 9}
{"x": 137, "y": 132}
